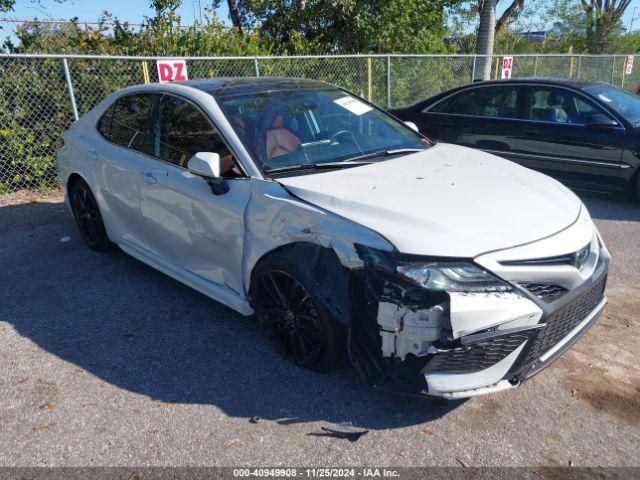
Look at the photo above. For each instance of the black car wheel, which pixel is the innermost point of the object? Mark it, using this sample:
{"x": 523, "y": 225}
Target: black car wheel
{"x": 310, "y": 336}
{"x": 87, "y": 215}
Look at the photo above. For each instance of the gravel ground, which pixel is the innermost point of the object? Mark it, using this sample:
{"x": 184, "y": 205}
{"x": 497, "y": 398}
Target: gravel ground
{"x": 104, "y": 361}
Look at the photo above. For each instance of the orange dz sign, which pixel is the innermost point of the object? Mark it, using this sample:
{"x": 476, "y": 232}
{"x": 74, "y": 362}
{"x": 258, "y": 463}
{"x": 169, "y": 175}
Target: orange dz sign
{"x": 172, "y": 71}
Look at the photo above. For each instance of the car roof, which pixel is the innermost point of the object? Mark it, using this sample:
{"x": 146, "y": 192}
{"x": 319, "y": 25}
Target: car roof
{"x": 567, "y": 82}
{"x": 553, "y": 81}
{"x": 230, "y": 86}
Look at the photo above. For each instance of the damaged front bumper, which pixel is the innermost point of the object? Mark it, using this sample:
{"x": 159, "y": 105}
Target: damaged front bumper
{"x": 463, "y": 344}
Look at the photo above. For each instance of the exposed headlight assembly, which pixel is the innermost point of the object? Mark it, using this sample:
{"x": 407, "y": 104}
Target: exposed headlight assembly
{"x": 435, "y": 276}
{"x": 452, "y": 277}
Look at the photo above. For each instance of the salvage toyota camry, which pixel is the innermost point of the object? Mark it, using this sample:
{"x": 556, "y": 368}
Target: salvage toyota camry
{"x": 438, "y": 269}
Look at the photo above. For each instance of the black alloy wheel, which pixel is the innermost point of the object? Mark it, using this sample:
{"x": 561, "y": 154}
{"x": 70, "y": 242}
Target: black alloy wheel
{"x": 87, "y": 215}
{"x": 311, "y": 338}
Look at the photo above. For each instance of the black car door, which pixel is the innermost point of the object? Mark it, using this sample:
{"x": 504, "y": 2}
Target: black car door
{"x": 555, "y": 139}
{"x": 479, "y": 117}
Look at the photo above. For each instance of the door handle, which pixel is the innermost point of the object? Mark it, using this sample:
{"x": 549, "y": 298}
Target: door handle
{"x": 149, "y": 178}
{"x": 93, "y": 155}
{"x": 531, "y": 132}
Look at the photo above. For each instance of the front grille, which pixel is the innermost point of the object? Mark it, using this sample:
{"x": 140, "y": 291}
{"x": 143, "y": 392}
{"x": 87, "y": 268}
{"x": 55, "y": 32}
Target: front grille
{"x": 537, "y": 262}
{"x": 545, "y": 291}
{"x": 565, "y": 319}
{"x": 477, "y": 356}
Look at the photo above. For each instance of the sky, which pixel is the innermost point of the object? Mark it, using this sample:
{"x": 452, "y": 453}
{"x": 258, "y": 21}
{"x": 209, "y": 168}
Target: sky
{"x": 134, "y": 10}
{"x": 131, "y": 10}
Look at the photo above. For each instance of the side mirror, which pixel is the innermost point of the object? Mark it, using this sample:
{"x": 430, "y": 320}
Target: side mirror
{"x": 600, "y": 121}
{"x": 208, "y": 166}
{"x": 205, "y": 164}
{"x": 412, "y": 126}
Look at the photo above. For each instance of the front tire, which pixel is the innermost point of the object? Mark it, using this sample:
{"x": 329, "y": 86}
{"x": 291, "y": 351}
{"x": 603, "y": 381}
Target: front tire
{"x": 88, "y": 218}
{"x": 284, "y": 299}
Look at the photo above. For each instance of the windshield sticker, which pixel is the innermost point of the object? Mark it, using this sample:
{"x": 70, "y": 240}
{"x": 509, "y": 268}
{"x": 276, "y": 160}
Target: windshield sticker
{"x": 354, "y": 105}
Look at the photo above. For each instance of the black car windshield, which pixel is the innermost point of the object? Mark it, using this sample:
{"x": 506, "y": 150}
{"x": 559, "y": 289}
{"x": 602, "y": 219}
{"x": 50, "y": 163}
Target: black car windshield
{"x": 298, "y": 129}
{"x": 623, "y": 102}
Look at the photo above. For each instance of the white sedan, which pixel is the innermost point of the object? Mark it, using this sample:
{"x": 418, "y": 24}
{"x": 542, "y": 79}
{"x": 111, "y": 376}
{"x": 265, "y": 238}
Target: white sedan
{"x": 439, "y": 269}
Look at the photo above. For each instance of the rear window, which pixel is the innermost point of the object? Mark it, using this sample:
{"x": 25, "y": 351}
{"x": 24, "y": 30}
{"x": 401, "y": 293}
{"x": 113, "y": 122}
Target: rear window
{"x": 104, "y": 125}
{"x": 127, "y": 123}
{"x": 498, "y": 102}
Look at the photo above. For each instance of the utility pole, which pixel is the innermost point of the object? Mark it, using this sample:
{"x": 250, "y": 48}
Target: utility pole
{"x": 199, "y": 15}
{"x": 633, "y": 19}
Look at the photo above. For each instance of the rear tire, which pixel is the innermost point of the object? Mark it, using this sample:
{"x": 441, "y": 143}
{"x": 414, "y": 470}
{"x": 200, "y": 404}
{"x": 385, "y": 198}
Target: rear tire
{"x": 88, "y": 218}
{"x": 283, "y": 298}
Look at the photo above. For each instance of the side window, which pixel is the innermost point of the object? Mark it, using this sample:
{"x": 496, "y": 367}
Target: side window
{"x": 443, "y": 105}
{"x": 183, "y": 130}
{"x": 130, "y": 126}
{"x": 557, "y": 105}
{"x": 585, "y": 110}
{"x": 497, "y": 102}
{"x": 104, "y": 125}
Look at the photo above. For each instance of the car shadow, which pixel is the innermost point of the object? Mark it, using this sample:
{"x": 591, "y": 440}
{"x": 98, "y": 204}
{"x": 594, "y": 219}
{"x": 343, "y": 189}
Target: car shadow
{"x": 610, "y": 207}
{"x": 131, "y": 326}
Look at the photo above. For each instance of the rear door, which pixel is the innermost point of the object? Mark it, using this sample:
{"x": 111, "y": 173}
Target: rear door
{"x": 480, "y": 117}
{"x": 187, "y": 224}
{"x": 120, "y": 160}
{"x": 554, "y": 138}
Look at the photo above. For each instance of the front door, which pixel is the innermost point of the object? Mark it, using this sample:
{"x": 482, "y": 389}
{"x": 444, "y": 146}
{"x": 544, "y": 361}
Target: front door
{"x": 187, "y": 224}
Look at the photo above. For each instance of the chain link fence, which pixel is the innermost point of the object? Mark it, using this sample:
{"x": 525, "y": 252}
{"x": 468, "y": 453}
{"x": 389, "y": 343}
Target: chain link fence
{"x": 40, "y": 95}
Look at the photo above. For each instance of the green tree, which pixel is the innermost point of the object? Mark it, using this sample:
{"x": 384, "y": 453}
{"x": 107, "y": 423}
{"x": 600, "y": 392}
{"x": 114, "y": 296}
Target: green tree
{"x": 603, "y": 22}
{"x": 351, "y": 25}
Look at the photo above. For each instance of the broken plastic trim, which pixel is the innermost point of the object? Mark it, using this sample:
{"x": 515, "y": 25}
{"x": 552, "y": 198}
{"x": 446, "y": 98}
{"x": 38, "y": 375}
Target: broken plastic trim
{"x": 384, "y": 351}
{"x": 411, "y": 325}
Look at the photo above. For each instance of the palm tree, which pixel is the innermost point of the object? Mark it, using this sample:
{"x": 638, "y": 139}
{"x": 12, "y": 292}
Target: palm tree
{"x": 602, "y": 20}
{"x": 486, "y": 36}
{"x": 489, "y": 27}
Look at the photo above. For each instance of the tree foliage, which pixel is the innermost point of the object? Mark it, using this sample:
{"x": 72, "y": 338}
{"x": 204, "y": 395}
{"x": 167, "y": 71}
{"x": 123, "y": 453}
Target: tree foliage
{"x": 347, "y": 26}
{"x": 603, "y": 22}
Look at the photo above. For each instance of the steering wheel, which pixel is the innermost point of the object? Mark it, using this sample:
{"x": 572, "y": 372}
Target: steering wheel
{"x": 333, "y": 139}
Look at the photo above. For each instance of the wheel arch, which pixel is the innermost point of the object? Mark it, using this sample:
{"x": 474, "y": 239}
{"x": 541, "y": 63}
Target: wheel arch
{"x": 634, "y": 184}
{"x": 72, "y": 180}
{"x": 323, "y": 270}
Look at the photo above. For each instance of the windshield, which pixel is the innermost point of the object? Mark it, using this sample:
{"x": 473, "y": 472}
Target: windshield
{"x": 623, "y": 102}
{"x": 303, "y": 128}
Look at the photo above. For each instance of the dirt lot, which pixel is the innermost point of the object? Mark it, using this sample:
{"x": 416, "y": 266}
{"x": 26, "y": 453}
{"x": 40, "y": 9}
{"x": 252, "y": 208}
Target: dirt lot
{"x": 104, "y": 361}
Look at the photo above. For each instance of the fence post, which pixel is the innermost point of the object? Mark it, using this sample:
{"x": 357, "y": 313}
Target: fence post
{"x": 613, "y": 68}
{"x": 473, "y": 68}
{"x": 369, "y": 80}
{"x": 145, "y": 72}
{"x": 388, "y": 81}
{"x": 535, "y": 66}
{"x": 256, "y": 66}
{"x": 579, "y": 65}
{"x": 571, "y": 67}
{"x": 72, "y": 95}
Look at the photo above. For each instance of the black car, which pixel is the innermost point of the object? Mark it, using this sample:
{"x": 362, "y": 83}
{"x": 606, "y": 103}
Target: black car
{"x": 586, "y": 134}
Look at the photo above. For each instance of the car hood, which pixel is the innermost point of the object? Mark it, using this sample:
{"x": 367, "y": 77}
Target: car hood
{"x": 446, "y": 201}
